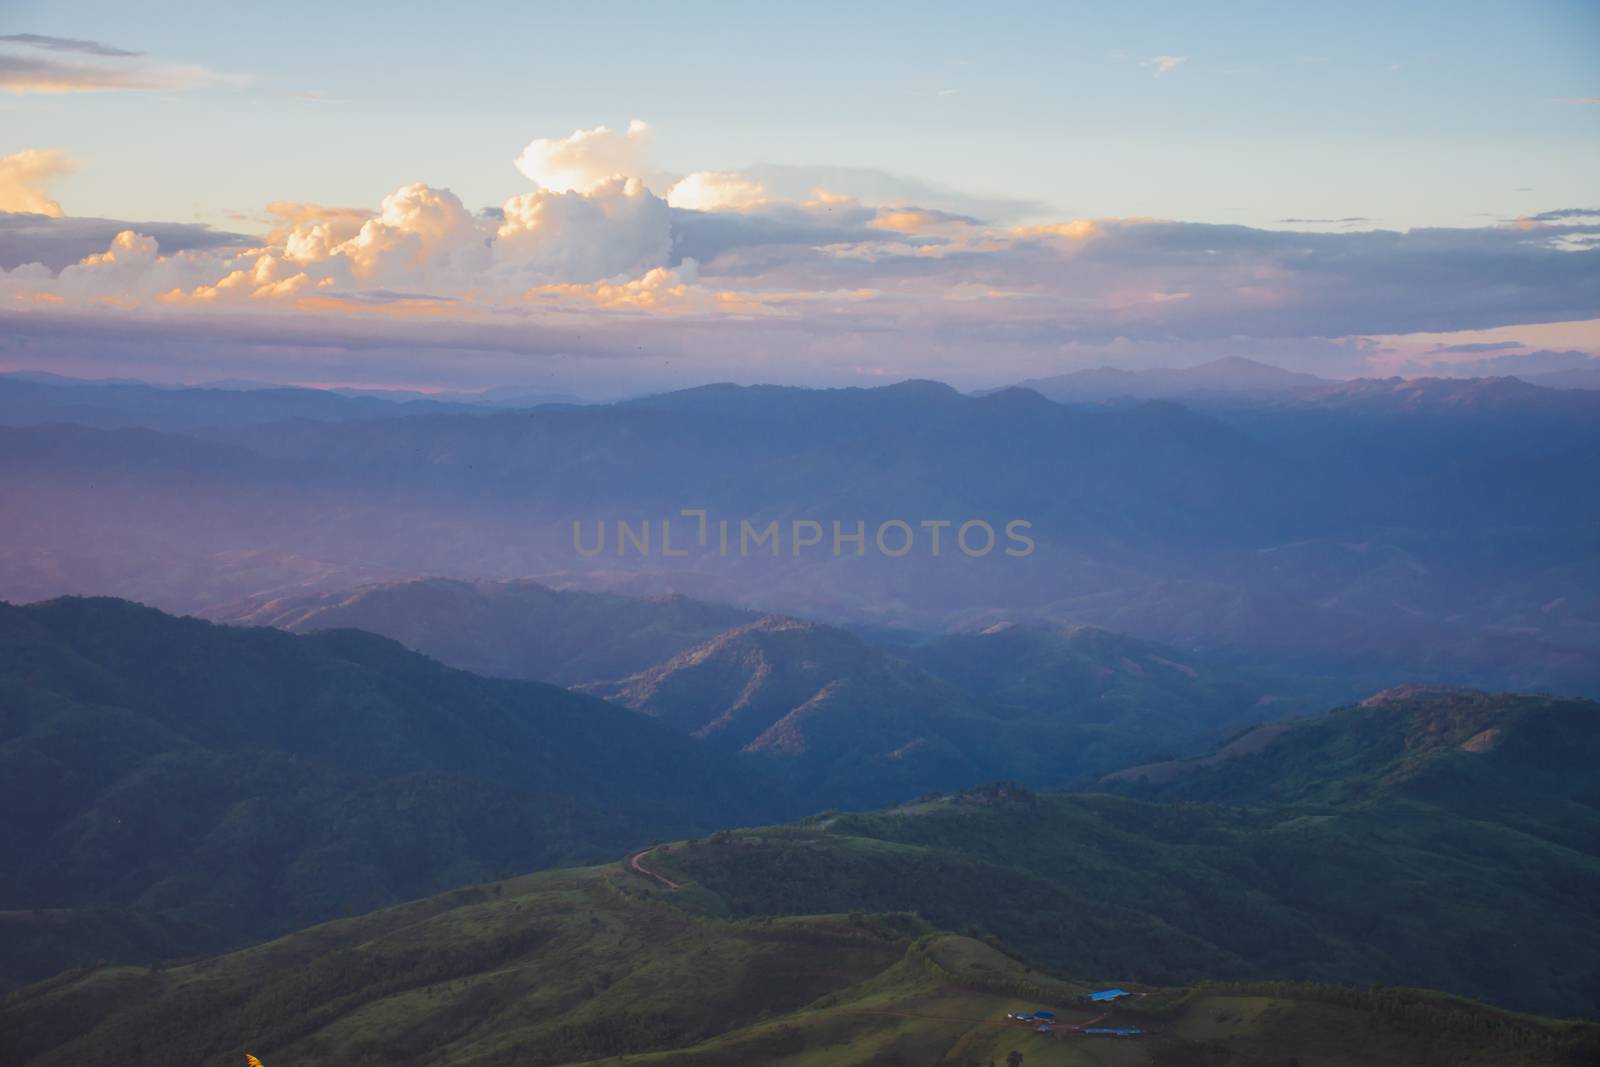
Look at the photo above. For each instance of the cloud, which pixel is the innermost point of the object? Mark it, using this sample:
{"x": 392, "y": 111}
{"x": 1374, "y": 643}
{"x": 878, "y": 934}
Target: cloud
{"x": 65, "y": 44}
{"x": 710, "y": 190}
{"x": 310, "y": 232}
{"x": 872, "y": 186}
{"x": 1487, "y": 346}
{"x": 1569, "y": 214}
{"x": 729, "y": 266}
{"x": 616, "y": 227}
{"x": 418, "y": 231}
{"x": 39, "y": 64}
{"x": 24, "y": 176}
{"x": 586, "y": 157}
{"x": 1165, "y": 64}
{"x": 60, "y": 242}
{"x": 919, "y": 220}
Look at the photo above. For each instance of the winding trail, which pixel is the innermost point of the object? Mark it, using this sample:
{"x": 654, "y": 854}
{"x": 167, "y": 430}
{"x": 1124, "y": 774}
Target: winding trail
{"x": 636, "y": 861}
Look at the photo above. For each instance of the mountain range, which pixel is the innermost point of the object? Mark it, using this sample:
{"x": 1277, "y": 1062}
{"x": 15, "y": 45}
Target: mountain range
{"x": 1379, "y": 540}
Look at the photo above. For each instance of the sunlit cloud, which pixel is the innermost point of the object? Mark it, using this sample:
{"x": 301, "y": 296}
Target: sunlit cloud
{"x": 586, "y": 157}
{"x": 25, "y": 177}
{"x": 708, "y": 190}
{"x": 591, "y": 262}
{"x": 1165, "y": 64}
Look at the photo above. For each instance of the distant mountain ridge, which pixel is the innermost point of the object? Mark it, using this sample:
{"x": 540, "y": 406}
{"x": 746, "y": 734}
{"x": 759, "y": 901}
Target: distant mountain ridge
{"x": 509, "y": 629}
{"x": 1395, "y": 538}
{"x": 1230, "y": 376}
{"x": 854, "y": 724}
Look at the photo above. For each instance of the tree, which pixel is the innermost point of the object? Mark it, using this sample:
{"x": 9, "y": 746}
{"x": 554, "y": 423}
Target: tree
{"x": 1014, "y": 1059}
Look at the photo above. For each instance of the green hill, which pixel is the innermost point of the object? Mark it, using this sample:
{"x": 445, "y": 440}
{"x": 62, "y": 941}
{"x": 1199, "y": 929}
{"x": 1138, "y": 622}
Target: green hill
{"x": 1396, "y": 842}
{"x": 225, "y": 784}
{"x": 604, "y": 966}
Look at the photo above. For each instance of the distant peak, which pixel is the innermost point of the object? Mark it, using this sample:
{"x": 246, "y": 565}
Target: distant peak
{"x": 921, "y": 387}
{"x": 776, "y": 623}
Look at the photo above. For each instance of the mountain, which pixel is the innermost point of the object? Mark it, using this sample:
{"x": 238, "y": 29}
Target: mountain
{"x": 1453, "y": 547}
{"x": 1507, "y": 757}
{"x": 235, "y": 783}
{"x": 848, "y": 723}
{"x": 1085, "y": 675}
{"x": 27, "y": 400}
{"x": 509, "y": 629}
{"x": 1572, "y": 378}
{"x": 1231, "y": 376}
{"x": 606, "y": 965}
{"x": 1447, "y": 396}
{"x": 1448, "y": 840}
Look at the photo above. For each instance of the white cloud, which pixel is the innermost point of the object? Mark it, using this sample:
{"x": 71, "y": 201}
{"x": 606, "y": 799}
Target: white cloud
{"x": 1165, "y": 64}
{"x": 419, "y": 231}
{"x": 25, "y": 175}
{"x": 881, "y": 268}
{"x": 586, "y": 157}
{"x": 717, "y": 190}
{"x": 616, "y": 226}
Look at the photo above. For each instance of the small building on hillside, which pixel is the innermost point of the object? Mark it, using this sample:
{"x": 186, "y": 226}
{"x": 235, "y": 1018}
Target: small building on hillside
{"x": 1106, "y": 995}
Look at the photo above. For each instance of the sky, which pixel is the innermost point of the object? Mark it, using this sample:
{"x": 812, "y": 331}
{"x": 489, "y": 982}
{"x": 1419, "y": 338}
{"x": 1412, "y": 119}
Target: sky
{"x": 603, "y": 199}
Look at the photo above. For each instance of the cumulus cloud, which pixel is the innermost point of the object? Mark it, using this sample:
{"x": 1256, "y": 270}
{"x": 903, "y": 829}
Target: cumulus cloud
{"x": 586, "y": 157}
{"x": 616, "y": 226}
{"x": 1165, "y": 64}
{"x": 717, "y": 190}
{"x": 25, "y": 175}
{"x": 605, "y": 266}
{"x": 419, "y": 231}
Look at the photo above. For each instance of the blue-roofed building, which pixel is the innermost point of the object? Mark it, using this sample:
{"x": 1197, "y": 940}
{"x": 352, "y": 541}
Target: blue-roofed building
{"x": 1109, "y": 994}
{"x": 1044, "y": 1015}
{"x": 1113, "y": 1031}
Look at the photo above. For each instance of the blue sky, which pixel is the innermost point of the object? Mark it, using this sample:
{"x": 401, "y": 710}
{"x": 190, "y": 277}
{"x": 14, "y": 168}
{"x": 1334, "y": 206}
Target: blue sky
{"x": 1410, "y": 114}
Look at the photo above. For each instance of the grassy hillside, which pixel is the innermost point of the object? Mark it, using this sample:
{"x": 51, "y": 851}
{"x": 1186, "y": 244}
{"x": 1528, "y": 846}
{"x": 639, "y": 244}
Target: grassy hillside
{"x": 1429, "y": 838}
{"x": 603, "y": 966}
{"x": 1494, "y": 753}
{"x": 237, "y": 783}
